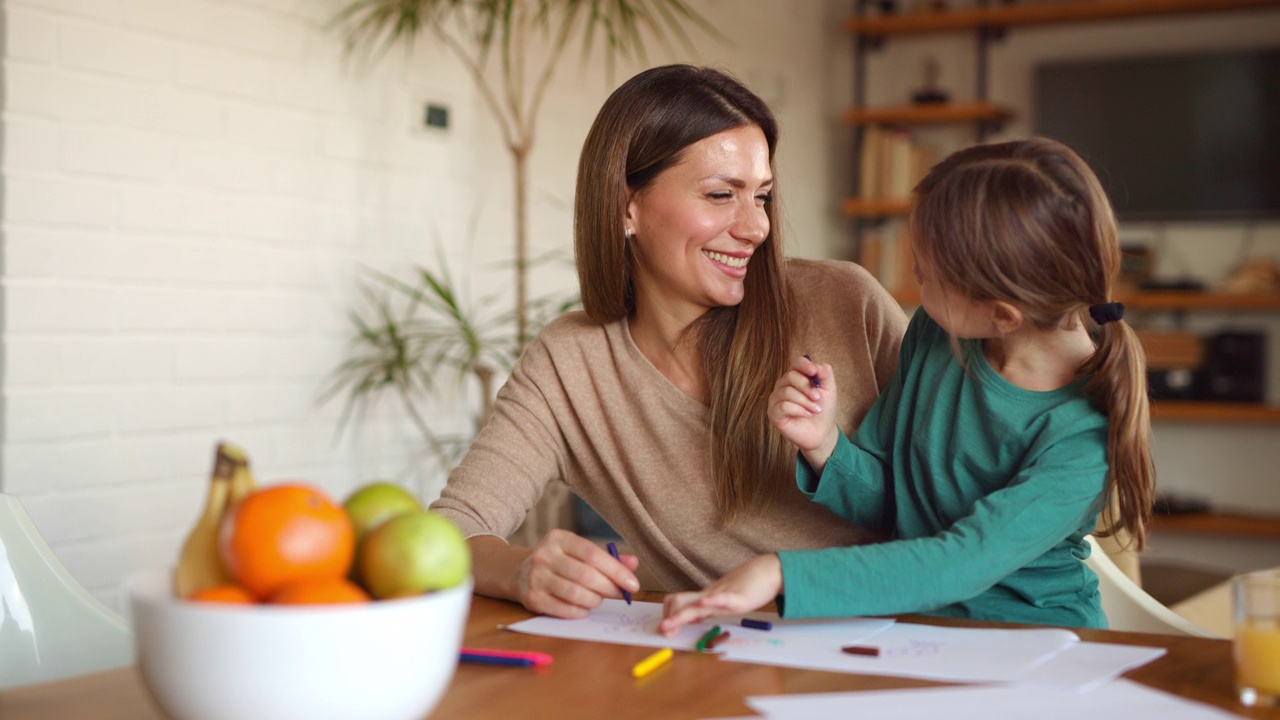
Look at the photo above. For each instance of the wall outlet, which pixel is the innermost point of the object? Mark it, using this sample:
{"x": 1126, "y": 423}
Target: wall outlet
{"x": 436, "y": 116}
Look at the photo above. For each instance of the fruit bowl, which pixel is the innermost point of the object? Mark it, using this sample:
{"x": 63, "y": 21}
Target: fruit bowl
{"x": 385, "y": 660}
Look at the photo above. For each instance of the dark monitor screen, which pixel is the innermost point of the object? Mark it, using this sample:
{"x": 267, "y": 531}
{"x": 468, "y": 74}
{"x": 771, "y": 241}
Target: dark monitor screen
{"x": 1177, "y": 137}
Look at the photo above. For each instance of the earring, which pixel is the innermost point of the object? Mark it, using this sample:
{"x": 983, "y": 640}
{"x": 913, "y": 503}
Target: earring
{"x": 629, "y": 233}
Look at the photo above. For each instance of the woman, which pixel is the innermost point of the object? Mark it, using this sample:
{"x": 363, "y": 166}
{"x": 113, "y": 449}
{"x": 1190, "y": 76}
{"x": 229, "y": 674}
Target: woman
{"x": 652, "y": 404}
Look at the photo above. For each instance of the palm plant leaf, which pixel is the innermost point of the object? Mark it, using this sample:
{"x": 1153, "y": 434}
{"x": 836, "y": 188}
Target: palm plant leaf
{"x": 377, "y": 25}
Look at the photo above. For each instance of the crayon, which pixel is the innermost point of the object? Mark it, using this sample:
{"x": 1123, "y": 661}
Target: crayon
{"x": 813, "y": 379}
{"x": 713, "y": 642}
{"x": 496, "y": 660}
{"x": 529, "y": 657}
{"x": 861, "y": 650}
{"x": 613, "y": 550}
{"x": 651, "y": 663}
{"x": 757, "y": 624}
{"x": 706, "y": 638}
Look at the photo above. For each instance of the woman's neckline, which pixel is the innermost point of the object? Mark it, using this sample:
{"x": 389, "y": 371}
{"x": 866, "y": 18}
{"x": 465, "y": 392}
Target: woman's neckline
{"x": 660, "y": 379}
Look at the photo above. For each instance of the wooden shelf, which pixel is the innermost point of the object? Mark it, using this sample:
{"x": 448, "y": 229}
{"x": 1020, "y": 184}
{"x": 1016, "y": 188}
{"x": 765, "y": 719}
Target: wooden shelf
{"x": 1214, "y": 412}
{"x": 1167, "y": 300}
{"x": 1216, "y": 523}
{"x": 1011, "y": 15}
{"x": 862, "y": 208}
{"x": 1199, "y": 300}
{"x": 928, "y": 114}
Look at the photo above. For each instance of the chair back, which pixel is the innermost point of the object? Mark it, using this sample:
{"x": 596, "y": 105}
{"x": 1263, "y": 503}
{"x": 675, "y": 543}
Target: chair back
{"x": 50, "y": 626}
{"x": 1129, "y": 607}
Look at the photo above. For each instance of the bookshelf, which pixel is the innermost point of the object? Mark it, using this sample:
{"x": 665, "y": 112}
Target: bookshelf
{"x": 928, "y": 114}
{"x": 987, "y": 22}
{"x": 916, "y": 23}
{"x": 1230, "y": 524}
{"x": 873, "y": 216}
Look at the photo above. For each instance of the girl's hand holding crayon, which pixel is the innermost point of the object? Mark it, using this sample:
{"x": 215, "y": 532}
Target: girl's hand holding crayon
{"x": 803, "y": 408}
{"x": 747, "y": 587}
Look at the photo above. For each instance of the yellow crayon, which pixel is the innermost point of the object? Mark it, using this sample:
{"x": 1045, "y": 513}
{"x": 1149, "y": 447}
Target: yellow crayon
{"x": 651, "y": 663}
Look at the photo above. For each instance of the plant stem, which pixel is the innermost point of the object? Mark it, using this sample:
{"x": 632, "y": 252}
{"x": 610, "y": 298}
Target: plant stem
{"x": 520, "y": 157}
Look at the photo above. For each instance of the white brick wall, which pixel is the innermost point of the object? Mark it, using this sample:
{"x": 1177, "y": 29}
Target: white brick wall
{"x": 190, "y": 188}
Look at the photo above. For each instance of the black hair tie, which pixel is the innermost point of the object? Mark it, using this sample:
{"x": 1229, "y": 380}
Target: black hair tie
{"x": 1106, "y": 312}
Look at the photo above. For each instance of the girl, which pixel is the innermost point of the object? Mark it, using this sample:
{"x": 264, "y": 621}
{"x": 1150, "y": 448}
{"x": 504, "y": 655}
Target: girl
{"x": 1005, "y": 430}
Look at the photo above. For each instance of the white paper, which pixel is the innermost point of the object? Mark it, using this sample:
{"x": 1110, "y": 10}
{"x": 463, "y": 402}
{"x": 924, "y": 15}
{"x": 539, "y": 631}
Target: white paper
{"x": 637, "y": 624}
{"x": 924, "y": 651}
{"x": 1085, "y": 665}
{"x": 1120, "y": 699}
{"x": 1043, "y": 657}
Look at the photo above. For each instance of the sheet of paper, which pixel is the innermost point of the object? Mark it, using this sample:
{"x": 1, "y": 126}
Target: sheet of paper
{"x": 614, "y": 621}
{"x": 1119, "y": 699}
{"x": 1044, "y": 657}
{"x": 924, "y": 651}
{"x": 1085, "y": 665}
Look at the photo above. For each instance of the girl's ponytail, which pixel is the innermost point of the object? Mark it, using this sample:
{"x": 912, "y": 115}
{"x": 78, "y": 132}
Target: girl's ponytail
{"x": 1117, "y": 385}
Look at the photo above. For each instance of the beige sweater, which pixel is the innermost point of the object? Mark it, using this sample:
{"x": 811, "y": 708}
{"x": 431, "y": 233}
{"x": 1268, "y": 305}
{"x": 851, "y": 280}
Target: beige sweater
{"x": 583, "y": 406}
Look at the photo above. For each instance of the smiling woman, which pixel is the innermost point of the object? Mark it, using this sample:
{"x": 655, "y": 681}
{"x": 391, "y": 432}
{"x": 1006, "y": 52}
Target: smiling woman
{"x": 651, "y": 404}
{"x": 695, "y": 228}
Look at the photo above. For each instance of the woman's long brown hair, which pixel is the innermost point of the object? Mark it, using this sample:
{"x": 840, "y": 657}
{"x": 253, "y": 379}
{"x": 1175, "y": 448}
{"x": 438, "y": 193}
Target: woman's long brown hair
{"x": 1028, "y": 223}
{"x": 643, "y": 129}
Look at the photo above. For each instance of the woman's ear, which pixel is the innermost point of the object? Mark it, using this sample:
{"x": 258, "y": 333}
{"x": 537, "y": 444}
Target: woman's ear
{"x": 632, "y": 208}
{"x": 1006, "y": 317}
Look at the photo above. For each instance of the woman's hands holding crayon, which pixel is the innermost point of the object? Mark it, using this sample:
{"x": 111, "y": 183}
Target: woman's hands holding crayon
{"x": 567, "y": 575}
{"x": 802, "y": 407}
{"x": 750, "y": 585}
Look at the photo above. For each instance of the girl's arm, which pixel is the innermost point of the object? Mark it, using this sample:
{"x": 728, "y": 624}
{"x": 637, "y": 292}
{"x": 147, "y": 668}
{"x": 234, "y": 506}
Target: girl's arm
{"x": 854, "y": 479}
{"x": 1054, "y": 498}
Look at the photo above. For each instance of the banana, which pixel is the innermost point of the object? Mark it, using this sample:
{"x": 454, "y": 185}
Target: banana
{"x": 199, "y": 566}
{"x": 242, "y": 480}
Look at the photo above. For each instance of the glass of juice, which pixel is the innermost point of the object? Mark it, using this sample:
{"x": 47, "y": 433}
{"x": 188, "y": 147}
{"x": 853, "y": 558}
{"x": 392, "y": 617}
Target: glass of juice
{"x": 1257, "y": 637}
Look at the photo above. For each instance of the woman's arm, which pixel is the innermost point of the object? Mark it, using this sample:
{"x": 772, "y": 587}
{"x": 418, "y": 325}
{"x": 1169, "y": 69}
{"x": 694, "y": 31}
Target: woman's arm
{"x": 521, "y": 449}
{"x": 565, "y": 575}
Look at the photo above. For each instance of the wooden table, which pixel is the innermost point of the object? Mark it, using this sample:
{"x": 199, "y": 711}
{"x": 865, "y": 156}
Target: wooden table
{"x": 593, "y": 680}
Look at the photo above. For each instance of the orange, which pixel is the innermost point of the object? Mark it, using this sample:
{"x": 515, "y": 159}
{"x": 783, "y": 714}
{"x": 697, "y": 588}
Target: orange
{"x": 222, "y": 594}
{"x": 320, "y": 592}
{"x": 285, "y": 534}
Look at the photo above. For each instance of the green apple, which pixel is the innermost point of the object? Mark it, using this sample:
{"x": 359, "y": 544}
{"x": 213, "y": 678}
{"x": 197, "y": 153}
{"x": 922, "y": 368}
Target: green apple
{"x": 374, "y": 503}
{"x": 412, "y": 553}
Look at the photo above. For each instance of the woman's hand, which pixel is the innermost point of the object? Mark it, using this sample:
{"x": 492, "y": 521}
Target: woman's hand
{"x": 748, "y": 586}
{"x": 566, "y": 575}
{"x": 805, "y": 414}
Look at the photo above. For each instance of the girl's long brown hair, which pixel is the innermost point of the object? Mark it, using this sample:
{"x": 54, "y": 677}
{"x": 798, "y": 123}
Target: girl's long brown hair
{"x": 1028, "y": 223}
{"x": 643, "y": 129}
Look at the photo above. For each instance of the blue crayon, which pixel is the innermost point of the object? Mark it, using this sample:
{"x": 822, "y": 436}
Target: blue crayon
{"x": 813, "y": 379}
{"x": 613, "y": 550}
{"x": 495, "y": 660}
{"x": 757, "y": 624}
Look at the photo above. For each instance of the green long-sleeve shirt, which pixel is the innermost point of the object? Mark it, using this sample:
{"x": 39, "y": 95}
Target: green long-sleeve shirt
{"x": 986, "y": 488}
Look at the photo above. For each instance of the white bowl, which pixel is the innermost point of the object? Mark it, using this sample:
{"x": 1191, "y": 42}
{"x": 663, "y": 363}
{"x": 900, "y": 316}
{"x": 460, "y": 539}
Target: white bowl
{"x": 384, "y": 660}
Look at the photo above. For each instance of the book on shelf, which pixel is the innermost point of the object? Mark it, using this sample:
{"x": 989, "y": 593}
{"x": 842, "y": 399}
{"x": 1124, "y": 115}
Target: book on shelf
{"x": 887, "y": 256}
{"x": 891, "y": 161}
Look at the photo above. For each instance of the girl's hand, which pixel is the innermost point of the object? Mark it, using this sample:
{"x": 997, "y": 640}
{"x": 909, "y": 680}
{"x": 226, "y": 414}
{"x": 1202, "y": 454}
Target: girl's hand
{"x": 748, "y": 586}
{"x": 566, "y": 575}
{"x": 804, "y": 414}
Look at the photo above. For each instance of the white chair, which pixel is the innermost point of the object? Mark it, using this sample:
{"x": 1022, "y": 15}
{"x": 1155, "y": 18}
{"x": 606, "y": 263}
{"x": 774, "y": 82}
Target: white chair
{"x": 50, "y": 626}
{"x": 1129, "y": 607}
